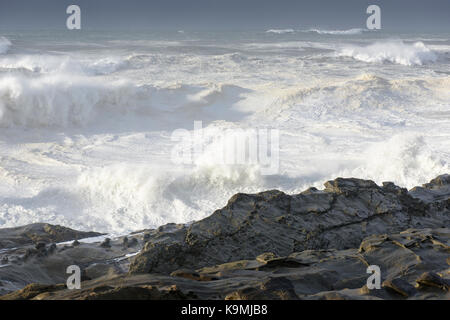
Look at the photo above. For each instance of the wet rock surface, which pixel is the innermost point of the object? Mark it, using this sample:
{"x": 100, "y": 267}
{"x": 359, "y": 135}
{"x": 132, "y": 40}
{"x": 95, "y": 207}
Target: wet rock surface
{"x": 339, "y": 217}
{"x": 313, "y": 245}
{"x": 39, "y": 234}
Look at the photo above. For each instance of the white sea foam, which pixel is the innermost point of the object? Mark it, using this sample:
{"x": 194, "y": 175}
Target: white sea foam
{"x": 352, "y": 31}
{"x": 59, "y": 100}
{"x": 392, "y": 51}
{"x": 54, "y": 64}
{"x": 62, "y": 100}
{"x": 85, "y": 136}
{"x": 126, "y": 197}
{"x": 130, "y": 192}
{"x": 280, "y": 31}
{"x": 405, "y": 158}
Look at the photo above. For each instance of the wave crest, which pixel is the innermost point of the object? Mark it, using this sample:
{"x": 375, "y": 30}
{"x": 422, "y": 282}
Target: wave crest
{"x": 405, "y": 158}
{"x": 280, "y": 31}
{"x": 62, "y": 100}
{"x": 393, "y": 52}
{"x": 127, "y": 197}
{"x": 338, "y": 32}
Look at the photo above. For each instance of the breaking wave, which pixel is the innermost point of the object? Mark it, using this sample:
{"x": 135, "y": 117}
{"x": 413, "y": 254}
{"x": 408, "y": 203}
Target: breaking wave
{"x": 352, "y": 31}
{"x": 366, "y": 95}
{"x": 338, "y": 32}
{"x": 280, "y": 31}
{"x": 137, "y": 197}
{"x": 86, "y": 136}
{"x": 58, "y": 100}
{"x": 405, "y": 158}
{"x": 62, "y": 100}
{"x": 54, "y": 64}
{"x": 393, "y": 51}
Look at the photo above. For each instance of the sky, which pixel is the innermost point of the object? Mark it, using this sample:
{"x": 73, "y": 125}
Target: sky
{"x": 414, "y": 15}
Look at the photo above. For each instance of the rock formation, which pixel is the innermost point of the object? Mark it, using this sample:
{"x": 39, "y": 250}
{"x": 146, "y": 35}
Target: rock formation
{"x": 339, "y": 217}
{"x": 313, "y": 245}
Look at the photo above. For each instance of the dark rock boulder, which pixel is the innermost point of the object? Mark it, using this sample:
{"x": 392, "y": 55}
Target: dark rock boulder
{"x": 400, "y": 286}
{"x": 40, "y": 233}
{"x": 431, "y": 279}
{"x": 338, "y": 217}
{"x": 106, "y": 243}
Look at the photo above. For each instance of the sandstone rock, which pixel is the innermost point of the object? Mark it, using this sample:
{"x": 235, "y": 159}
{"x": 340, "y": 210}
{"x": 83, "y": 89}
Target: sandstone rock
{"x": 97, "y": 270}
{"x": 431, "y": 279}
{"x": 30, "y": 291}
{"x": 271, "y": 289}
{"x": 134, "y": 293}
{"x": 317, "y": 274}
{"x": 266, "y": 257}
{"x": 193, "y": 275}
{"x": 400, "y": 286}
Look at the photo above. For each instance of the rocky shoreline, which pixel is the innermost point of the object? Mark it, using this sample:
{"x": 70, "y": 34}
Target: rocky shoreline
{"x": 313, "y": 245}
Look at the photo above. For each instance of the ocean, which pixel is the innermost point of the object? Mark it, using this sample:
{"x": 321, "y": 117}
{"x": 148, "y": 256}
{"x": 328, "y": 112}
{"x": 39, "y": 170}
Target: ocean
{"x": 88, "y": 118}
